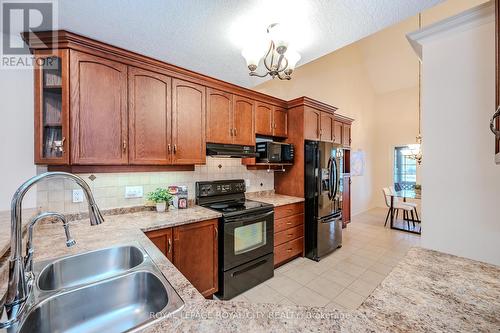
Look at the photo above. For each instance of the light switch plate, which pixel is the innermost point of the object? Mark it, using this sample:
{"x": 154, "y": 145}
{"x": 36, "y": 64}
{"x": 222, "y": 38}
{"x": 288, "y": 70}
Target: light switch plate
{"x": 77, "y": 195}
{"x": 134, "y": 192}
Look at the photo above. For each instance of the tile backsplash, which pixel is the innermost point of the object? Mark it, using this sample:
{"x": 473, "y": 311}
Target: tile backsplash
{"x": 109, "y": 188}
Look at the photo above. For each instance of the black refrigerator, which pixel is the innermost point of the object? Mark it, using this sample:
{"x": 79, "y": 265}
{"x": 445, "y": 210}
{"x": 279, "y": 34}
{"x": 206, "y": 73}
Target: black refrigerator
{"x": 323, "y": 198}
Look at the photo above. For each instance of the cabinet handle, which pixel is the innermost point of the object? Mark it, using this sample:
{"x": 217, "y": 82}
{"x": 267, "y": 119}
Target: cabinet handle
{"x": 289, "y": 235}
{"x": 169, "y": 148}
{"x": 235, "y": 132}
{"x": 231, "y": 131}
{"x": 216, "y": 233}
{"x": 175, "y": 148}
{"x": 288, "y": 250}
{"x": 274, "y": 125}
{"x": 124, "y": 145}
{"x": 288, "y": 223}
{"x": 169, "y": 248}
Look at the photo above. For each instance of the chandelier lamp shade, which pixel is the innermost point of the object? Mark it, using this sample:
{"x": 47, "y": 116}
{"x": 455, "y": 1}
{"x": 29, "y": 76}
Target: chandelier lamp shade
{"x": 279, "y": 60}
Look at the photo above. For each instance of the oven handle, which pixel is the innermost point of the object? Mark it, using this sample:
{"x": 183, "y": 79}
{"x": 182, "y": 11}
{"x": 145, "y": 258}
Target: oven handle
{"x": 250, "y": 218}
{"x": 249, "y": 268}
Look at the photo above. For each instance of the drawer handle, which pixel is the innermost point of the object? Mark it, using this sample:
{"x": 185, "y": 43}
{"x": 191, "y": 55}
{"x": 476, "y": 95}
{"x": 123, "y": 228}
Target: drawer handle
{"x": 288, "y": 223}
{"x": 288, "y": 250}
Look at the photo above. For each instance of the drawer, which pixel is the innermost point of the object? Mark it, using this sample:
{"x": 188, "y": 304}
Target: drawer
{"x": 288, "y": 235}
{"x": 288, "y": 250}
{"x": 288, "y": 222}
{"x": 288, "y": 210}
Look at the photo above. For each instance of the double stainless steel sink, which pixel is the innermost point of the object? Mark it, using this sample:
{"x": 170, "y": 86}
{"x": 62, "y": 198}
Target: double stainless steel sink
{"x": 116, "y": 289}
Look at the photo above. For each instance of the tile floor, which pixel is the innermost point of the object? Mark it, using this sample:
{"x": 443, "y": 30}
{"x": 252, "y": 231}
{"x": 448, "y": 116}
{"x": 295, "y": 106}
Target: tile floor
{"x": 345, "y": 278}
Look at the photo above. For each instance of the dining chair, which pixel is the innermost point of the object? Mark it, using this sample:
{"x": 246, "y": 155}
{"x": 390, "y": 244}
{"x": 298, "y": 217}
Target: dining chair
{"x": 397, "y": 205}
{"x": 413, "y": 205}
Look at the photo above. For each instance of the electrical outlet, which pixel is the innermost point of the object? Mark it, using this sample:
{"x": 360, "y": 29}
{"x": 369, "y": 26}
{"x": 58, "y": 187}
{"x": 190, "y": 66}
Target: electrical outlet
{"x": 77, "y": 195}
{"x": 133, "y": 192}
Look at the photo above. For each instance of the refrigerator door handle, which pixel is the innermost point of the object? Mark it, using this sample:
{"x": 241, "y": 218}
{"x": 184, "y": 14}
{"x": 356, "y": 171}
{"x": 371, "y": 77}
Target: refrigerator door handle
{"x": 330, "y": 178}
{"x": 335, "y": 178}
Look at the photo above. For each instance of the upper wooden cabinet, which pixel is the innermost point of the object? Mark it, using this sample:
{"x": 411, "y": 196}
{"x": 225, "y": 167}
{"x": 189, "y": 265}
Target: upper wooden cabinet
{"x": 230, "y": 118}
{"x": 270, "y": 120}
{"x": 337, "y": 132}
{"x": 150, "y": 108}
{"x": 196, "y": 254}
{"x": 52, "y": 107}
{"x": 263, "y": 119}
{"x": 188, "y": 122}
{"x": 280, "y": 122}
{"x": 243, "y": 121}
{"x": 219, "y": 116}
{"x": 98, "y": 110}
{"x": 326, "y": 127}
{"x": 312, "y": 120}
{"x": 346, "y": 135}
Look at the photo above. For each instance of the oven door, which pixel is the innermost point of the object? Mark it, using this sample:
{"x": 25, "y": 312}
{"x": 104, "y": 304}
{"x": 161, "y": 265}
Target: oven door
{"x": 247, "y": 237}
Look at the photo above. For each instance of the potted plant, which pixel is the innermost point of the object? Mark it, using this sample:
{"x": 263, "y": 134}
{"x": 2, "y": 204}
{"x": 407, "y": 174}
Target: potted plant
{"x": 161, "y": 198}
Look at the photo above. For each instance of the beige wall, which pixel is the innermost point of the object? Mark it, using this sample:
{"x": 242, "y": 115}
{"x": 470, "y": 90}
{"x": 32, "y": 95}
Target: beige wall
{"x": 460, "y": 181}
{"x": 374, "y": 81}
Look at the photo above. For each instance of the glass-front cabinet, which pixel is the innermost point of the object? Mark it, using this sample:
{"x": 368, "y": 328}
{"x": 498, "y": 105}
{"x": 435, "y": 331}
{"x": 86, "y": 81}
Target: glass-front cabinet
{"x": 51, "y": 107}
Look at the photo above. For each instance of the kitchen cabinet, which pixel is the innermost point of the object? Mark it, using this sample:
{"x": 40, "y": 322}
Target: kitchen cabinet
{"x": 193, "y": 249}
{"x": 163, "y": 239}
{"x": 288, "y": 232}
{"x": 99, "y": 118}
{"x": 271, "y": 120}
{"x": 243, "y": 120}
{"x": 346, "y": 135}
{"x": 219, "y": 117}
{"x": 337, "y": 132}
{"x": 326, "y": 127}
{"x": 346, "y": 200}
{"x": 230, "y": 118}
{"x": 312, "y": 119}
{"x": 280, "y": 122}
{"x": 150, "y": 108}
{"x": 263, "y": 119}
{"x": 52, "y": 107}
{"x": 188, "y": 122}
{"x": 196, "y": 254}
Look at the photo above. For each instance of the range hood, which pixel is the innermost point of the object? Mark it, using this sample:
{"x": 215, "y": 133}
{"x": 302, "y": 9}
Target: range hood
{"x": 222, "y": 150}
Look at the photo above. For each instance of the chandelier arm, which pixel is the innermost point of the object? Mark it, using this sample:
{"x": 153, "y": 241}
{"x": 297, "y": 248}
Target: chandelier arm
{"x": 258, "y": 75}
{"x": 271, "y": 47}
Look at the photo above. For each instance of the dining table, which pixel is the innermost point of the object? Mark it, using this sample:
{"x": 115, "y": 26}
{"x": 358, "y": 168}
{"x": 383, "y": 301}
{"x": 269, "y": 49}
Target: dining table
{"x": 405, "y": 194}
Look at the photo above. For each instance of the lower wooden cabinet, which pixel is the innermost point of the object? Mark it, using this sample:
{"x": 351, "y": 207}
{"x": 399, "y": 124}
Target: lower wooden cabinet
{"x": 193, "y": 249}
{"x": 288, "y": 232}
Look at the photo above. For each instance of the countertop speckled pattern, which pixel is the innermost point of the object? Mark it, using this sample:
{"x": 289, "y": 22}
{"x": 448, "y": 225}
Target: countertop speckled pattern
{"x": 273, "y": 199}
{"x": 427, "y": 291}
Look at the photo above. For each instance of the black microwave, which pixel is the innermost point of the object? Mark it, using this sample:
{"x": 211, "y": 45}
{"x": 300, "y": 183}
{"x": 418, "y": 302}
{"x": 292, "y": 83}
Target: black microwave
{"x": 274, "y": 152}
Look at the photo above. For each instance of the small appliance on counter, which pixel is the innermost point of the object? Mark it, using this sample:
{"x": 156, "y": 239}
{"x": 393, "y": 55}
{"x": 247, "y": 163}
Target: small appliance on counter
{"x": 246, "y": 236}
{"x": 274, "y": 152}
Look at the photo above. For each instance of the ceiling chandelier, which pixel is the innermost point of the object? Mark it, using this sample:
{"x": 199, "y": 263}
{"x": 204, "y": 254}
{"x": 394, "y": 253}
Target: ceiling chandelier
{"x": 279, "y": 60}
{"x": 415, "y": 150}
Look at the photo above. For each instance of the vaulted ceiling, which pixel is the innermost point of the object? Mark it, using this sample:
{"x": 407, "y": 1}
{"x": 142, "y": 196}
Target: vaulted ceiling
{"x": 207, "y": 36}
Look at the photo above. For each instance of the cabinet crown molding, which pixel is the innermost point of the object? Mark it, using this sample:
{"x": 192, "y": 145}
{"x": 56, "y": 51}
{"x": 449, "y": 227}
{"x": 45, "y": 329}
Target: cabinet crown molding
{"x": 307, "y": 101}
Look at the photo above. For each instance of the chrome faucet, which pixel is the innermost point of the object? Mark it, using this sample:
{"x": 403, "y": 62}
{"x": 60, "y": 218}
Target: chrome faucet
{"x": 18, "y": 287}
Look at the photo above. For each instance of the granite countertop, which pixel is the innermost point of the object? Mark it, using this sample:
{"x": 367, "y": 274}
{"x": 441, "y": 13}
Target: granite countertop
{"x": 273, "y": 199}
{"x": 427, "y": 291}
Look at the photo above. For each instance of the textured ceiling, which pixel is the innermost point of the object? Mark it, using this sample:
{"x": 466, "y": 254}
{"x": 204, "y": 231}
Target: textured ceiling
{"x": 207, "y": 36}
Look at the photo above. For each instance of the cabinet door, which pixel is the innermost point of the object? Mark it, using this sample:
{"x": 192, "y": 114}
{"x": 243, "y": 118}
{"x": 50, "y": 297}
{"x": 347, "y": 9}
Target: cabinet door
{"x": 195, "y": 255}
{"x": 337, "y": 132}
{"x": 243, "y": 120}
{"x": 263, "y": 118}
{"x": 311, "y": 124}
{"x": 346, "y": 135}
{"x": 150, "y": 106}
{"x": 219, "y": 116}
{"x": 188, "y": 123}
{"x": 163, "y": 240}
{"x": 326, "y": 127}
{"x": 346, "y": 200}
{"x": 51, "y": 107}
{"x": 280, "y": 122}
{"x": 98, "y": 110}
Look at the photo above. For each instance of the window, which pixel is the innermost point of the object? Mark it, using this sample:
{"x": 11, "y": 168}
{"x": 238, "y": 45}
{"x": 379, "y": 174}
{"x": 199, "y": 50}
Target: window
{"x": 405, "y": 169}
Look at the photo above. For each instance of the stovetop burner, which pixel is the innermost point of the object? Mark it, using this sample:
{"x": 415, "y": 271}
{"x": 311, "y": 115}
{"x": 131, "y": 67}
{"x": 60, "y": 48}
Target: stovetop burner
{"x": 240, "y": 206}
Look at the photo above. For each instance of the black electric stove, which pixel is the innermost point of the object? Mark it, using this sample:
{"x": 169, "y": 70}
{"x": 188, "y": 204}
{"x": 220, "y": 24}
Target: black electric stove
{"x": 246, "y": 241}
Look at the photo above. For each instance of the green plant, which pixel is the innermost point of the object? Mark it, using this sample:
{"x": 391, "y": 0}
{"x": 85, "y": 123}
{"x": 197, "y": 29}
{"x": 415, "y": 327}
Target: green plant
{"x": 160, "y": 195}
{"x": 418, "y": 187}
